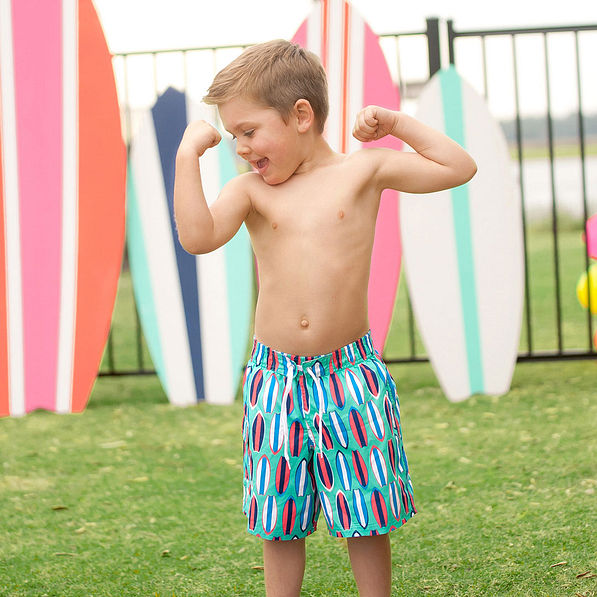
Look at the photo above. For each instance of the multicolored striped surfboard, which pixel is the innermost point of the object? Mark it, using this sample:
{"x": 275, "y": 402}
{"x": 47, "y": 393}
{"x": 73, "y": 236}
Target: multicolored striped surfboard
{"x": 195, "y": 310}
{"x": 358, "y": 76}
{"x": 463, "y": 253}
{"x": 62, "y": 189}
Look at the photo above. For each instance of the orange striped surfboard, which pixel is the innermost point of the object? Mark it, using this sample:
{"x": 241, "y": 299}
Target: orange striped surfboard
{"x": 62, "y": 196}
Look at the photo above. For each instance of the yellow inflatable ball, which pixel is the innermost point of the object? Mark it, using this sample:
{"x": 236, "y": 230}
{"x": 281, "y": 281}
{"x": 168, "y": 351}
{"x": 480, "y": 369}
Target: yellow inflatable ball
{"x": 582, "y": 289}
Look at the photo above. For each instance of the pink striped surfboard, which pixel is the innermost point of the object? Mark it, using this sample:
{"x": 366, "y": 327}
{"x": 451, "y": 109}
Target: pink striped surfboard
{"x": 358, "y": 76}
{"x": 62, "y": 190}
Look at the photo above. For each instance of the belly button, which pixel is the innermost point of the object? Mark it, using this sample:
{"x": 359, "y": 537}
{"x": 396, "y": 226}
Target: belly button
{"x": 340, "y": 214}
{"x": 304, "y": 323}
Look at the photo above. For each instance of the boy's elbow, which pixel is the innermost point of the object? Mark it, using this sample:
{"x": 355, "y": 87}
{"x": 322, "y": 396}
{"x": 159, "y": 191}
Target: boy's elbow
{"x": 472, "y": 170}
{"x": 193, "y": 249}
{"x": 467, "y": 171}
{"x": 193, "y": 245}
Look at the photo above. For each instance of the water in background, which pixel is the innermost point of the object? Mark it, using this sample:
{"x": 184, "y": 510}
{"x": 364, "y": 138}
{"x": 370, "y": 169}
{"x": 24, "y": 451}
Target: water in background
{"x": 567, "y": 183}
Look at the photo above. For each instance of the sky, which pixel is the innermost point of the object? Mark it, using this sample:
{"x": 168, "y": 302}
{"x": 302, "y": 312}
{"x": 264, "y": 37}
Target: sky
{"x": 145, "y": 25}
{"x": 157, "y": 24}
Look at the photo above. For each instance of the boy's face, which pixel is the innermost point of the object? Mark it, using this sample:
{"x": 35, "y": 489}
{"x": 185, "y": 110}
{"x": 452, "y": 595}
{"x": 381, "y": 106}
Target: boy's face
{"x": 262, "y": 138}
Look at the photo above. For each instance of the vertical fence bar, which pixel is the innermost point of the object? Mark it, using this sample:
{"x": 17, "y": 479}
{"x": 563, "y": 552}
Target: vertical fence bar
{"x": 127, "y": 104}
{"x": 129, "y": 133}
{"x": 554, "y": 209}
{"x": 111, "y": 368}
{"x": 214, "y": 70}
{"x": 401, "y": 84}
{"x": 451, "y": 38}
{"x": 581, "y": 143}
{"x": 433, "y": 45}
{"x": 411, "y": 329}
{"x": 527, "y": 290}
{"x": 154, "y": 56}
{"x": 185, "y": 73}
{"x": 110, "y": 350}
{"x": 484, "y": 57}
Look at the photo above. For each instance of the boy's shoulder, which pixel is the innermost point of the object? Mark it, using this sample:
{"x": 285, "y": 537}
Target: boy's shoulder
{"x": 243, "y": 182}
{"x": 365, "y": 159}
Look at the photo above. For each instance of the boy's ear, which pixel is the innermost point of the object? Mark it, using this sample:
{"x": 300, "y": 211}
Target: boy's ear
{"x": 305, "y": 117}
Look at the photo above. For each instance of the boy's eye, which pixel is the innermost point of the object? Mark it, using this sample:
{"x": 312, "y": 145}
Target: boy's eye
{"x": 249, "y": 133}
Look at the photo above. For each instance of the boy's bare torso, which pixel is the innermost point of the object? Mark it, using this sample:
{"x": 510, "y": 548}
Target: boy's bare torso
{"x": 313, "y": 237}
{"x": 311, "y": 212}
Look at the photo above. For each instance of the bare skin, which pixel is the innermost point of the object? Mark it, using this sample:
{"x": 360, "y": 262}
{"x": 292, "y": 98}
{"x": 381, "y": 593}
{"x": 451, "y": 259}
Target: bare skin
{"x": 310, "y": 212}
{"x": 311, "y": 215}
{"x": 371, "y": 561}
{"x": 324, "y": 242}
{"x": 370, "y": 558}
{"x": 284, "y": 567}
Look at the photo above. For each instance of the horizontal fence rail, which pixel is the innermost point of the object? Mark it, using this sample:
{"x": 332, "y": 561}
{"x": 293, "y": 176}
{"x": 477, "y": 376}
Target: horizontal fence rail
{"x": 412, "y": 58}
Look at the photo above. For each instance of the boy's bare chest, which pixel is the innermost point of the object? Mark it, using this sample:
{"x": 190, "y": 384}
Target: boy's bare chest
{"x": 312, "y": 210}
{"x": 308, "y": 213}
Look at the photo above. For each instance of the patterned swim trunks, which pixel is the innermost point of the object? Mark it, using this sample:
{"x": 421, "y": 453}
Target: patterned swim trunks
{"x": 319, "y": 433}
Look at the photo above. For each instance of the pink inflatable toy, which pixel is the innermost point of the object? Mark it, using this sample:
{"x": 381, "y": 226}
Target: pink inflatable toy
{"x": 591, "y": 236}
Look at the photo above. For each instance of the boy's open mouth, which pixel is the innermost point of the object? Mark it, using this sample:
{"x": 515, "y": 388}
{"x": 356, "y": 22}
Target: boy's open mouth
{"x": 261, "y": 164}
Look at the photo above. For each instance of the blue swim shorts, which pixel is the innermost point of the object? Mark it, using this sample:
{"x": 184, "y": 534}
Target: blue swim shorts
{"x": 323, "y": 433}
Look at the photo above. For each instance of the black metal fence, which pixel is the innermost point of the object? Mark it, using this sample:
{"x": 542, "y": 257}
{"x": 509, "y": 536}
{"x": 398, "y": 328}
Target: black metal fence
{"x": 567, "y": 143}
{"x": 555, "y": 327}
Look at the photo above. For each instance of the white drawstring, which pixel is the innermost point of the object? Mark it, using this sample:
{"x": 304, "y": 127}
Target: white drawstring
{"x": 320, "y": 410}
{"x": 284, "y": 412}
{"x": 292, "y": 370}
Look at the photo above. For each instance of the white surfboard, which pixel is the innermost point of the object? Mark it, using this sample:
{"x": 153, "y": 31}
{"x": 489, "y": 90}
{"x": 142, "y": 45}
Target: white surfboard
{"x": 463, "y": 250}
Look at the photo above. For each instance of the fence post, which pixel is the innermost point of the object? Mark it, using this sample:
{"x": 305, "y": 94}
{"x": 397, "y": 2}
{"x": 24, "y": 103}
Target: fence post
{"x": 451, "y": 36}
{"x": 433, "y": 45}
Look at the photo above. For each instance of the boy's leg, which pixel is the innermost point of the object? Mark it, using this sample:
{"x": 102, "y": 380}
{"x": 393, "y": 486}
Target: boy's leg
{"x": 371, "y": 561}
{"x": 284, "y": 567}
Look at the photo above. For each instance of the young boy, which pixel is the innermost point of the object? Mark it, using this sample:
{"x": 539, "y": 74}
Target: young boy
{"x": 321, "y": 427}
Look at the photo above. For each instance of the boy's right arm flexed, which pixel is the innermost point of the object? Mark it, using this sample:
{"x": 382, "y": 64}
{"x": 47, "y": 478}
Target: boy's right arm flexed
{"x": 203, "y": 228}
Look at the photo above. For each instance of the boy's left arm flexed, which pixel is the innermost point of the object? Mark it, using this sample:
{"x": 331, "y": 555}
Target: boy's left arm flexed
{"x": 439, "y": 163}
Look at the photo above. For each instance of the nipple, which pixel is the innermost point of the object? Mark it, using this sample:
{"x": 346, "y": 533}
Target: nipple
{"x": 274, "y": 225}
{"x": 304, "y": 323}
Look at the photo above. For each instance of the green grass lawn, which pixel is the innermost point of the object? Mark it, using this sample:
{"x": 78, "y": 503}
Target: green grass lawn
{"x": 560, "y": 150}
{"x": 137, "y": 497}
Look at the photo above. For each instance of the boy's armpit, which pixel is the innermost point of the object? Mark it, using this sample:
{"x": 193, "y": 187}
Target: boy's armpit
{"x": 371, "y": 163}
{"x": 363, "y": 161}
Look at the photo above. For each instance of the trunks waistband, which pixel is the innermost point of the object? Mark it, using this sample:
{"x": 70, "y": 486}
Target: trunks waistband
{"x": 314, "y": 367}
{"x": 321, "y": 365}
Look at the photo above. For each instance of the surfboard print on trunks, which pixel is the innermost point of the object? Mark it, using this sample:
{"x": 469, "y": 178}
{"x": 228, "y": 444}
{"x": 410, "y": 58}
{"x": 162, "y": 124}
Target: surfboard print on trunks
{"x": 62, "y": 190}
{"x": 463, "y": 253}
{"x": 195, "y": 310}
{"x": 358, "y": 76}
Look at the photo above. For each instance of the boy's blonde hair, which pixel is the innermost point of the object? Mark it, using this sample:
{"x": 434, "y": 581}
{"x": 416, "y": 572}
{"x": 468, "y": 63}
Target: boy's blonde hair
{"x": 277, "y": 74}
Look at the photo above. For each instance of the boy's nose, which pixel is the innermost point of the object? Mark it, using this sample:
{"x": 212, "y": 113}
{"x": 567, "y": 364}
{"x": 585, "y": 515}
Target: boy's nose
{"x": 242, "y": 149}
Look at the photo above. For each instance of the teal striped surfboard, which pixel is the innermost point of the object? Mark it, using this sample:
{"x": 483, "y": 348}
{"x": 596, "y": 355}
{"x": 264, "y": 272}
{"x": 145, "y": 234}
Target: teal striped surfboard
{"x": 463, "y": 251}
